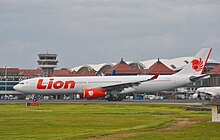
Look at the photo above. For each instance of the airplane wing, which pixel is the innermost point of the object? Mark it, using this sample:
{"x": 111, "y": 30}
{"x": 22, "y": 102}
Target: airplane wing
{"x": 122, "y": 86}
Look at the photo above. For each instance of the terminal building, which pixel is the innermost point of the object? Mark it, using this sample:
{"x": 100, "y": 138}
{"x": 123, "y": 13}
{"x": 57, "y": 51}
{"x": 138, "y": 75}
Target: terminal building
{"x": 48, "y": 62}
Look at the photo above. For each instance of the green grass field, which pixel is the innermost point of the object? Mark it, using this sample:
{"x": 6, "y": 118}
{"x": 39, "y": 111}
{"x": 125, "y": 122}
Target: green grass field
{"x": 82, "y": 121}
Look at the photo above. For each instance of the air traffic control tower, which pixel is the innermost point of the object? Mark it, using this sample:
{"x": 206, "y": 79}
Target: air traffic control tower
{"x": 47, "y": 62}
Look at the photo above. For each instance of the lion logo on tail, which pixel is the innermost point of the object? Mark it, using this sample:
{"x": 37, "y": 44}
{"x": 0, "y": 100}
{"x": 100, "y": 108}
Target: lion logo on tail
{"x": 197, "y": 65}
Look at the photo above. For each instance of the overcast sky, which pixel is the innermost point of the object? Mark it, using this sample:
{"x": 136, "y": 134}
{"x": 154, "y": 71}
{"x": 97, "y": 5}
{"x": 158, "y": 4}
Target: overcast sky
{"x": 97, "y": 31}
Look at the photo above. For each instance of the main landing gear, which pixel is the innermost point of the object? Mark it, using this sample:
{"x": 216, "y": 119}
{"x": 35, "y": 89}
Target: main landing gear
{"x": 34, "y": 99}
{"x": 112, "y": 97}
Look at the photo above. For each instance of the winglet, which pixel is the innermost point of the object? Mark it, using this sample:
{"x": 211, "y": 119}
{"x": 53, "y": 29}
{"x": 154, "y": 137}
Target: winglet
{"x": 154, "y": 77}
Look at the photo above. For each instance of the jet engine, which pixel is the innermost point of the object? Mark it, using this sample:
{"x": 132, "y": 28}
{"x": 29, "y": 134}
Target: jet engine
{"x": 94, "y": 93}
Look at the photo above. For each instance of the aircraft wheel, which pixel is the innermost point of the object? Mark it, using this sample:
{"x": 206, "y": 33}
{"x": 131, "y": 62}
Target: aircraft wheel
{"x": 114, "y": 99}
{"x": 109, "y": 98}
{"x": 34, "y": 99}
{"x": 119, "y": 99}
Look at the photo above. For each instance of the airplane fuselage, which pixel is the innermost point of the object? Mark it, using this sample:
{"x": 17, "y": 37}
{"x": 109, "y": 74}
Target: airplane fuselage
{"x": 71, "y": 85}
{"x": 100, "y": 86}
{"x": 213, "y": 91}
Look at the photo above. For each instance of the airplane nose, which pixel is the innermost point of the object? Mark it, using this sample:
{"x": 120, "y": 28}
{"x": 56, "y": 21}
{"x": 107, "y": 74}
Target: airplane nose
{"x": 16, "y": 87}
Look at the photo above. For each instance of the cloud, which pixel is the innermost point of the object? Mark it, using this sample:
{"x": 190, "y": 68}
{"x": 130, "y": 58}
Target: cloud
{"x": 78, "y": 29}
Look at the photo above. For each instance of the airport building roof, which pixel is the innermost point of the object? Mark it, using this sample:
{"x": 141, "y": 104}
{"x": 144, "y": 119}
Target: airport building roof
{"x": 30, "y": 72}
{"x": 63, "y": 73}
{"x": 9, "y": 71}
{"x": 159, "y": 68}
{"x": 163, "y": 66}
{"x": 122, "y": 68}
{"x": 174, "y": 64}
{"x": 215, "y": 70}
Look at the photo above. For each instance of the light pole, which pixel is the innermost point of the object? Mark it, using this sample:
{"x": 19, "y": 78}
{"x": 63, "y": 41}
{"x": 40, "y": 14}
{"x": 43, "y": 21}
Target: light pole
{"x": 6, "y": 73}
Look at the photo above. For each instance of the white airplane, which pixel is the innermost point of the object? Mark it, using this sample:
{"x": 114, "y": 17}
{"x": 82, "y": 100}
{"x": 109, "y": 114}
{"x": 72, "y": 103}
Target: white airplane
{"x": 116, "y": 87}
{"x": 207, "y": 91}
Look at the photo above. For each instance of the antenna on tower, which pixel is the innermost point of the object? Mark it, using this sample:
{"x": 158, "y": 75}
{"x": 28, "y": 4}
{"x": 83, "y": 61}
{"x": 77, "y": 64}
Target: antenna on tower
{"x": 47, "y": 50}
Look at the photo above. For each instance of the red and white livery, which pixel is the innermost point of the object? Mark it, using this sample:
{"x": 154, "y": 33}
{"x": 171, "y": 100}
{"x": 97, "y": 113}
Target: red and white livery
{"x": 116, "y": 86}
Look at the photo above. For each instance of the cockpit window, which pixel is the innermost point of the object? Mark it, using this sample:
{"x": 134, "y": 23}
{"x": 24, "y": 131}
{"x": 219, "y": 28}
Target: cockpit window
{"x": 22, "y": 83}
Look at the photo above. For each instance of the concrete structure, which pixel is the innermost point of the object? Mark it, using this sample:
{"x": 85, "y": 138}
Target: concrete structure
{"x": 47, "y": 62}
{"x": 216, "y": 110}
{"x": 8, "y": 78}
{"x": 215, "y": 76}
